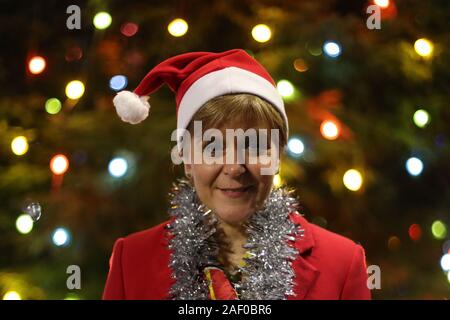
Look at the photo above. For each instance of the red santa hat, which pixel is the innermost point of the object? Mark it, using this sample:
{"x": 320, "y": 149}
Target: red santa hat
{"x": 197, "y": 77}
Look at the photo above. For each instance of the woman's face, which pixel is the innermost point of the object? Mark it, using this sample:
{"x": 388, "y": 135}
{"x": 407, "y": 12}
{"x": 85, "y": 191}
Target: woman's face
{"x": 232, "y": 190}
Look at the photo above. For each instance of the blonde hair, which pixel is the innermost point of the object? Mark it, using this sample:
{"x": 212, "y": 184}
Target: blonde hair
{"x": 241, "y": 108}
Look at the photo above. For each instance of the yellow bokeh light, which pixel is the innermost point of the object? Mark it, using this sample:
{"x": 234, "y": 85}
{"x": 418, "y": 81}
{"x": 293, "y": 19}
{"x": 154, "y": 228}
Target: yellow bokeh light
{"x": 24, "y": 224}
{"x": 261, "y": 33}
{"x": 382, "y": 3}
{"x": 421, "y": 118}
{"x": 12, "y": 295}
{"x": 352, "y": 180}
{"x": 37, "y": 65}
{"x": 285, "y": 88}
{"x": 329, "y": 130}
{"x": 424, "y": 47}
{"x": 277, "y": 182}
{"x": 75, "y": 89}
{"x": 102, "y": 20}
{"x": 19, "y": 145}
{"x": 439, "y": 230}
{"x": 59, "y": 164}
{"x": 178, "y": 27}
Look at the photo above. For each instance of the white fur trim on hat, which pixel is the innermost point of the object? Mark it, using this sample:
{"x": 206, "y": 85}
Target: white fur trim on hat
{"x": 130, "y": 107}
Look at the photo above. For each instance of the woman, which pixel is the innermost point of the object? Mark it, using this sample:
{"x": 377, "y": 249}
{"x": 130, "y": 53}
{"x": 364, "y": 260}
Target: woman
{"x": 231, "y": 235}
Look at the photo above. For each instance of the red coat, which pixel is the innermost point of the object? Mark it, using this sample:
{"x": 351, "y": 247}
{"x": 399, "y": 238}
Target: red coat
{"x": 329, "y": 266}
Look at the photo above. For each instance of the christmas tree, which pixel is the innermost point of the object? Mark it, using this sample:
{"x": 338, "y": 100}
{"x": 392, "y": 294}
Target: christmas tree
{"x": 365, "y": 87}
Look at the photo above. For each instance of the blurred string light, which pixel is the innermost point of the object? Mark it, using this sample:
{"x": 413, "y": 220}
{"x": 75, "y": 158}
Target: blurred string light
{"x": 448, "y": 277}
{"x": 332, "y": 49}
{"x": 277, "y": 182}
{"x": 439, "y": 230}
{"x": 61, "y": 237}
{"x": 129, "y": 29}
{"x": 118, "y": 167}
{"x": 445, "y": 262}
{"x": 12, "y": 295}
{"x": 118, "y": 82}
{"x": 73, "y": 53}
{"x": 300, "y": 65}
{"x": 393, "y": 243}
{"x": 295, "y": 146}
{"x": 24, "y": 224}
{"x": 102, "y": 20}
{"x": 421, "y": 118}
{"x": 72, "y": 296}
{"x": 285, "y": 88}
{"x": 314, "y": 49}
{"x": 329, "y": 130}
{"x": 75, "y": 89}
{"x": 352, "y": 180}
{"x": 414, "y": 166}
{"x": 415, "y": 232}
{"x": 59, "y": 164}
{"x": 37, "y": 65}
{"x": 178, "y": 27}
{"x": 261, "y": 33}
{"x": 19, "y": 145}
{"x": 424, "y": 47}
{"x": 53, "y": 106}
{"x": 382, "y": 3}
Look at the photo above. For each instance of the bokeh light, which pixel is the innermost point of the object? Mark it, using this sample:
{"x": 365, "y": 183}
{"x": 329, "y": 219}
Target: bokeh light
{"x": 102, "y": 20}
{"x": 118, "y": 82}
{"x": 445, "y": 262}
{"x": 61, "y": 237}
{"x": 19, "y": 145}
{"x": 332, "y": 49}
{"x": 261, "y": 33}
{"x": 37, "y": 65}
{"x": 277, "y": 182}
{"x": 178, "y": 27}
{"x": 424, "y": 47}
{"x": 24, "y": 224}
{"x": 75, "y": 89}
{"x": 393, "y": 243}
{"x": 53, "y": 106}
{"x": 414, "y": 166}
{"x": 352, "y": 180}
{"x": 118, "y": 167}
{"x": 129, "y": 29}
{"x": 415, "y": 232}
{"x": 12, "y": 295}
{"x": 421, "y": 118}
{"x": 300, "y": 65}
{"x": 285, "y": 88}
{"x": 59, "y": 164}
{"x": 382, "y": 3}
{"x": 329, "y": 130}
{"x": 439, "y": 230}
{"x": 295, "y": 146}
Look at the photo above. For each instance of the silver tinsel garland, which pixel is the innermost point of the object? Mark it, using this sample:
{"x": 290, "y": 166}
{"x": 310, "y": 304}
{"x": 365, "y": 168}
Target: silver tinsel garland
{"x": 267, "y": 273}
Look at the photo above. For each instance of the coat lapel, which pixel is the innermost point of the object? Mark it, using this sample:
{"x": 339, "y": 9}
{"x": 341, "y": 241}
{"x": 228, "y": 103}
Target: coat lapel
{"x": 305, "y": 273}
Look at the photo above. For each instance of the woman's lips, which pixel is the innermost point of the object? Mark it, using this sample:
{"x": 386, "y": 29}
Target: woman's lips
{"x": 235, "y": 192}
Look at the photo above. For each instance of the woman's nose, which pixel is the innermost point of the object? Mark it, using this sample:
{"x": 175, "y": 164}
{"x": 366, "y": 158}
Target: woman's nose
{"x": 234, "y": 170}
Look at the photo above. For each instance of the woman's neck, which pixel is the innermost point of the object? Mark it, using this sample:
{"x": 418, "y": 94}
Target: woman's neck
{"x": 232, "y": 239}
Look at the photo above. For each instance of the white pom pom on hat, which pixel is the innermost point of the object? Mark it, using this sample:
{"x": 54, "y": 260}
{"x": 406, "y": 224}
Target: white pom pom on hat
{"x": 130, "y": 107}
{"x": 197, "y": 77}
